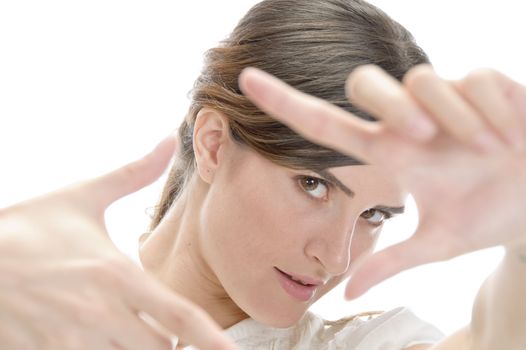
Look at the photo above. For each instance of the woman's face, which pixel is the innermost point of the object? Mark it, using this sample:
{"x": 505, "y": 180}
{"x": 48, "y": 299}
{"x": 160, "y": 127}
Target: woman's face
{"x": 261, "y": 222}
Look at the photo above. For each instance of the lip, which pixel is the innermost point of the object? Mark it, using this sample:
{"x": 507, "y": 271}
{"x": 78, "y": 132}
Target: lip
{"x": 296, "y": 289}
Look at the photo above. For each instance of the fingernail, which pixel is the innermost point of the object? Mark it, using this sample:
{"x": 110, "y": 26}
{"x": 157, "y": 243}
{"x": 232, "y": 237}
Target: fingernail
{"x": 487, "y": 142}
{"x": 253, "y": 86}
{"x": 421, "y": 129}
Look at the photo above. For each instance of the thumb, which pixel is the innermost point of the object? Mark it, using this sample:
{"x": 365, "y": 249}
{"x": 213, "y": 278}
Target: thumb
{"x": 370, "y": 270}
{"x": 106, "y": 189}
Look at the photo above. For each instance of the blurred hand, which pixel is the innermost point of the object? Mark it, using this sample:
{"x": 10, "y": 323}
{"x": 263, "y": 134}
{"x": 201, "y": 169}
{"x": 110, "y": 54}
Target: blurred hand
{"x": 64, "y": 285}
{"x": 457, "y": 147}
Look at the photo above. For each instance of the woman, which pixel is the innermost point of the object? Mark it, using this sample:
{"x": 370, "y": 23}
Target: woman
{"x": 222, "y": 236}
{"x": 242, "y": 178}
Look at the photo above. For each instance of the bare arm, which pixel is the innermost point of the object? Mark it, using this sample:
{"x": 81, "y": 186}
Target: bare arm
{"x": 499, "y": 312}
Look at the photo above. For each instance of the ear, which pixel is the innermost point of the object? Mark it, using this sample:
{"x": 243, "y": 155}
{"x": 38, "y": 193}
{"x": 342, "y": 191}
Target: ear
{"x": 211, "y": 133}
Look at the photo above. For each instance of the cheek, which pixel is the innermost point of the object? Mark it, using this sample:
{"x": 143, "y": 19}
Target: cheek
{"x": 363, "y": 241}
{"x": 248, "y": 230}
{"x": 280, "y": 224}
{"x": 243, "y": 225}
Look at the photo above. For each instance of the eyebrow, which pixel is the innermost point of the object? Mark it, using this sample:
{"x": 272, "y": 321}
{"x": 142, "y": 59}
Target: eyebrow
{"x": 327, "y": 175}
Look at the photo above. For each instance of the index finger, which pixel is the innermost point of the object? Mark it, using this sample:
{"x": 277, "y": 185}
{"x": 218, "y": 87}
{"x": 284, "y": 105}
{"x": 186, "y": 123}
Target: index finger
{"x": 311, "y": 117}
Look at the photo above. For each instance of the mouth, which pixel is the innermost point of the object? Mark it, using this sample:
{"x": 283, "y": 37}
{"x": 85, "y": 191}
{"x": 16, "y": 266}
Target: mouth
{"x": 301, "y": 288}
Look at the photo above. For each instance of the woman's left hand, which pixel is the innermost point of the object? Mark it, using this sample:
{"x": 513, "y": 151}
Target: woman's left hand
{"x": 466, "y": 172}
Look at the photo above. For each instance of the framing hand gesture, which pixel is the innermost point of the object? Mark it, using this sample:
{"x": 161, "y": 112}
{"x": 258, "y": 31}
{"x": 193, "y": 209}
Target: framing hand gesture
{"x": 457, "y": 147}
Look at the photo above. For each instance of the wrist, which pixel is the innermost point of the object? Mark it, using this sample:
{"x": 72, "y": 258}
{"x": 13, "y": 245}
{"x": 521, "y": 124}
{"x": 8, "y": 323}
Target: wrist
{"x": 517, "y": 249}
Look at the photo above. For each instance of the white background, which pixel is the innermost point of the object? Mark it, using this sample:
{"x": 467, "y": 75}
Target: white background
{"x": 88, "y": 86}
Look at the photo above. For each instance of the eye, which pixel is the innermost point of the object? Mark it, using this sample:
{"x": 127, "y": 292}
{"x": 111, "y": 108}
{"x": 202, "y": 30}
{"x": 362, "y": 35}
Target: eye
{"x": 314, "y": 186}
{"x": 376, "y": 217}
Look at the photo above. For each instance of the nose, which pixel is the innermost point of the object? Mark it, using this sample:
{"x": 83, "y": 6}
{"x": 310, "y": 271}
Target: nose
{"x": 331, "y": 247}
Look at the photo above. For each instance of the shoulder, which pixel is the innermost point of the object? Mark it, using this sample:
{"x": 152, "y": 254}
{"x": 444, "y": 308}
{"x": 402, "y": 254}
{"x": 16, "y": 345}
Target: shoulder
{"x": 398, "y": 328}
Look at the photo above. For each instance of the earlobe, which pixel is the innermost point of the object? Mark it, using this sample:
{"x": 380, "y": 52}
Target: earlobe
{"x": 210, "y": 134}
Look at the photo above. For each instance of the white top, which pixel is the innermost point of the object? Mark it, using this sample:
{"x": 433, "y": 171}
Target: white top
{"x": 396, "y": 329}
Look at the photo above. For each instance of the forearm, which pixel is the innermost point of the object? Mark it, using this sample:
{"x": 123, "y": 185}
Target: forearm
{"x": 499, "y": 311}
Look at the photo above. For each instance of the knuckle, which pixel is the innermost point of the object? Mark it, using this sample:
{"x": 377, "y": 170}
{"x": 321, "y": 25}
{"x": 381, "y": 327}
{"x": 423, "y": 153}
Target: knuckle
{"x": 396, "y": 107}
{"x": 179, "y": 322}
{"x": 109, "y": 271}
{"x": 131, "y": 170}
{"x": 480, "y": 76}
{"x": 91, "y": 314}
{"x": 164, "y": 343}
{"x": 193, "y": 317}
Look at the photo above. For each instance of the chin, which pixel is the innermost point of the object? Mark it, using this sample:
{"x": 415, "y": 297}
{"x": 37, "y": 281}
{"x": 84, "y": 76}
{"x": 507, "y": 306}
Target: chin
{"x": 278, "y": 313}
{"x": 281, "y": 321}
{"x": 267, "y": 303}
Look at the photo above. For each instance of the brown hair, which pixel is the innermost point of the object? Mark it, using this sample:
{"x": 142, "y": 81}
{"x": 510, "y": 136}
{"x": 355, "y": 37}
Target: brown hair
{"x": 312, "y": 45}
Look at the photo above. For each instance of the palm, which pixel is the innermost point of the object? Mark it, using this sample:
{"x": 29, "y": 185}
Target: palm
{"x": 466, "y": 201}
{"x": 460, "y": 194}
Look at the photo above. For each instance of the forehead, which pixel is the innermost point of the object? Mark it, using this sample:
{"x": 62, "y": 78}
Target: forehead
{"x": 371, "y": 181}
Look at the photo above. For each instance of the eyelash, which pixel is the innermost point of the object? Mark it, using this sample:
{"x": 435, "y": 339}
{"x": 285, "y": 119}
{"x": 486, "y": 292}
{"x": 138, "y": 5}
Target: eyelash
{"x": 387, "y": 216}
{"x": 323, "y": 182}
{"x": 330, "y": 186}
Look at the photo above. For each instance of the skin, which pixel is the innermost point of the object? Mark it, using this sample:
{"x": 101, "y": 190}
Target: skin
{"x": 220, "y": 243}
{"x": 90, "y": 295}
{"x": 52, "y": 280}
{"x": 460, "y": 176}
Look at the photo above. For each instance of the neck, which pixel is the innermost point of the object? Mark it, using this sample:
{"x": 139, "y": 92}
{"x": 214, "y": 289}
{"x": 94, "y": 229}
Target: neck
{"x": 172, "y": 253}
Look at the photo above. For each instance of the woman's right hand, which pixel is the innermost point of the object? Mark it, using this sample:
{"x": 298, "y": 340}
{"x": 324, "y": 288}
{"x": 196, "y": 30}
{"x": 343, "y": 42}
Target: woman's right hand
{"x": 64, "y": 285}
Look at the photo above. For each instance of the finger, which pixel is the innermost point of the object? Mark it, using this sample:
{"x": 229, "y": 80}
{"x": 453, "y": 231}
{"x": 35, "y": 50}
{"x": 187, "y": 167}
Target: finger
{"x": 421, "y": 248}
{"x": 450, "y": 110}
{"x": 385, "y": 97}
{"x": 517, "y": 96}
{"x": 177, "y": 315}
{"x": 132, "y": 333}
{"x": 313, "y": 118}
{"x": 15, "y": 334}
{"x": 487, "y": 90}
{"x": 108, "y": 188}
